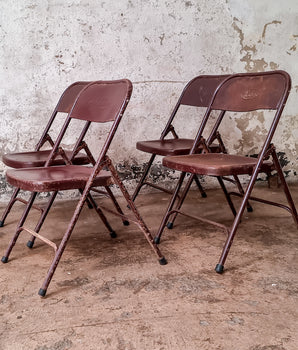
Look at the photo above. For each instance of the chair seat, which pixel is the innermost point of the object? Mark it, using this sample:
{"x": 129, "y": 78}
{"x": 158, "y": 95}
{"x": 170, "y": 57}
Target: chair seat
{"x": 169, "y": 147}
{"x": 38, "y": 159}
{"x": 215, "y": 164}
{"x": 56, "y": 178}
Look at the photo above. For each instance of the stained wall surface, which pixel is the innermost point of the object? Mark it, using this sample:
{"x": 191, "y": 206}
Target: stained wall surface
{"x": 159, "y": 45}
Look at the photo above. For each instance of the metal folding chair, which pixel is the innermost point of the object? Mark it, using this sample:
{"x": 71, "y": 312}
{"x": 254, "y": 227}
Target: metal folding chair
{"x": 197, "y": 93}
{"x": 38, "y": 157}
{"x": 101, "y": 102}
{"x": 237, "y": 93}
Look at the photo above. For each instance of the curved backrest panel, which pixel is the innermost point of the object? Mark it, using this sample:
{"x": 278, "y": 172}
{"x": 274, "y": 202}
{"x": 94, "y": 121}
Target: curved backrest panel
{"x": 199, "y": 91}
{"x": 252, "y": 91}
{"x": 102, "y": 101}
{"x": 69, "y": 96}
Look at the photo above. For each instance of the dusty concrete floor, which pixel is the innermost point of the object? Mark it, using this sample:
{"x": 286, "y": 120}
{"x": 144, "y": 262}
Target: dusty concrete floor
{"x": 112, "y": 293}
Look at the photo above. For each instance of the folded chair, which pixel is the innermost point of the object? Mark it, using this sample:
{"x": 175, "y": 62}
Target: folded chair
{"x": 197, "y": 93}
{"x": 101, "y": 102}
{"x": 238, "y": 93}
{"x": 38, "y": 157}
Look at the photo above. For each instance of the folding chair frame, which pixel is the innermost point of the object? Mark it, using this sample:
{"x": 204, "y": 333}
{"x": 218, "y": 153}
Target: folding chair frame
{"x": 64, "y": 104}
{"x": 195, "y": 94}
{"x": 103, "y": 163}
{"x": 268, "y": 150}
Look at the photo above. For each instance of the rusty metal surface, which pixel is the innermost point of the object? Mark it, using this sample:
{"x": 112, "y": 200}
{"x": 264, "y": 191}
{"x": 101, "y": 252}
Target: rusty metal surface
{"x": 55, "y": 178}
{"x": 237, "y": 93}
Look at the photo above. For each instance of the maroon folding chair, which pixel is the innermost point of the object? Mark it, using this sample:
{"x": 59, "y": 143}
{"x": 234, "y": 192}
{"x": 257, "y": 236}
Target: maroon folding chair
{"x": 101, "y": 102}
{"x": 237, "y": 93}
{"x": 197, "y": 93}
{"x": 38, "y": 157}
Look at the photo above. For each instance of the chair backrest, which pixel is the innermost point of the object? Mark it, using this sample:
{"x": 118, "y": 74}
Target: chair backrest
{"x": 252, "y": 91}
{"x": 68, "y": 97}
{"x": 64, "y": 105}
{"x": 249, "y": 92}
{"x": 197, "y": 93}
{"x": 99, "y": 101}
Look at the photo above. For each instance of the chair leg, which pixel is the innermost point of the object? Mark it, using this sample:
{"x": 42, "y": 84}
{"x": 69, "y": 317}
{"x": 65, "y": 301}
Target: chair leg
{"x": 141, "y": 182}
{"x": 102, "y": 216}
{"x": 9, "y": 206}
{"x": 87, "y": 201}
{"x": 240, "y": 189}
{"x": 220, "y": 266}
{"x": 116, "y": 204}
{"x": 285, "y": 186}
{"x": 44, "y": 214}
{"x": 43, "y": 290}
{"x": 202, "y": 191}
{"x": 169, "y": 209}
{"x": 141, "y": 223}
{"x": 21, "y": 222}
{"x": 228, "y": 198}
{"x": 170, "y": 224}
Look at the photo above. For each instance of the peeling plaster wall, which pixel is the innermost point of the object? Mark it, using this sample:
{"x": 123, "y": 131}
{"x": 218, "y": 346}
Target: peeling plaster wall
{"x": 159, "y": 45}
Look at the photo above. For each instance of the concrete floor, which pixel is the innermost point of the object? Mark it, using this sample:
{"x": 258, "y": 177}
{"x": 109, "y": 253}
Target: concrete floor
{"x": 112, "y": 293}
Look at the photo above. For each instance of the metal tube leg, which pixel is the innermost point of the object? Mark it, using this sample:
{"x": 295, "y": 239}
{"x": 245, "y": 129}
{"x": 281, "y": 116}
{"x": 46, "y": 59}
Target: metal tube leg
{"x": 170, "y": 224}
{"x": 87, "y": 201}
{"x": 141, "y": 182}
{"x": 228, "y": 198}
{"x": 170, "y": 207}
{"x": 220, "y": 266}
{"x": 60, "y": 250}
{"x": 9, "y": 206}
{"x": 285, "y": 187}
{"x": 42, "y": 291}
{"x": 240, "y": 189}
{"x": 45, "y": 212}
{"x": 116, "y": 204}
{"x": 202, "y": 191}
{"x": 102, "y": 216}
{"x": 140, "y": 221}
{"x": 18, "y": 230}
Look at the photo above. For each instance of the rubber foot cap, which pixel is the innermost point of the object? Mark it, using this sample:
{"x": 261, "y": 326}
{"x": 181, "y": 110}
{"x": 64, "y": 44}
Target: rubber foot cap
{"x": 30, "y": 244}
{"x": 204, "y": 195}
{"x": 113, "y": 234}
{"x": 42, "y": 292}
{"x": 126, "y": 223}
{"x": 4, "y": 259}
{"x": 156, "y": 240}
{"x": 1, "y": 223}
{"x": 219, "y": 268}
{"x": 163, "y": 261}
{"x": 250, "y": 209}
{"x": 170, "y": 225}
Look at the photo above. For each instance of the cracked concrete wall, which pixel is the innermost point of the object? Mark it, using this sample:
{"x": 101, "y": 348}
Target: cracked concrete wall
{"x": 159, "y": 45}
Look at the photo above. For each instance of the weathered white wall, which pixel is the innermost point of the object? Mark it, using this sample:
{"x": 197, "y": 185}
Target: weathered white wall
{"x": 159, "y": 45}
